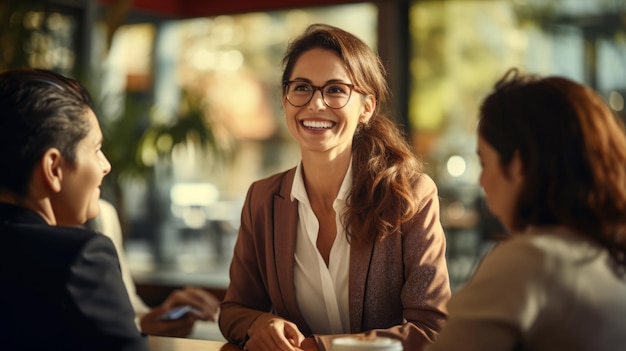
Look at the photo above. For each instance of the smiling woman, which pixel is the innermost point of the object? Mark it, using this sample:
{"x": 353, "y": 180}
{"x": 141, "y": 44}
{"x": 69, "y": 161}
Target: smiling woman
{"x": 348, "y": 241}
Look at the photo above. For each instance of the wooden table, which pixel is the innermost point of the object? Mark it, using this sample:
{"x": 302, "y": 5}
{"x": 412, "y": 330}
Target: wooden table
{"x": 160, "y": 343}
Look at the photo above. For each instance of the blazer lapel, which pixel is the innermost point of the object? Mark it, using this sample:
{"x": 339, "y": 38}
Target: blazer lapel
{"x": 360, "y": 261}
{"x": 285, "y": 231}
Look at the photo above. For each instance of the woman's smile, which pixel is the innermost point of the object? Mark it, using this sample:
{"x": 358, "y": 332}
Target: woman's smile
{"x": 317, "y": 125}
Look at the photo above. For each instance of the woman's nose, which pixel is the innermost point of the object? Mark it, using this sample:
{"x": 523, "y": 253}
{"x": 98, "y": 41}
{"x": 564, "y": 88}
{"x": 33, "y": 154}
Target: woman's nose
{"x": 317, "y": 101}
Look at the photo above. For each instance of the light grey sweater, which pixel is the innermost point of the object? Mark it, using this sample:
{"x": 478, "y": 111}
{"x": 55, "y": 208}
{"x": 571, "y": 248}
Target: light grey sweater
{"x": 545, "y": 289}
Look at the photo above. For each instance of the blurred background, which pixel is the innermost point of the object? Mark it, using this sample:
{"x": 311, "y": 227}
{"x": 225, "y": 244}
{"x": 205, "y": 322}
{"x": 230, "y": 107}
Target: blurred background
{"x": 188, "y": 96}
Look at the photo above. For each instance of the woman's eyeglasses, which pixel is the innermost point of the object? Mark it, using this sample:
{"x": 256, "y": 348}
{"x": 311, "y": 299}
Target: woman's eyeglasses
{"x": 334, "y": 95}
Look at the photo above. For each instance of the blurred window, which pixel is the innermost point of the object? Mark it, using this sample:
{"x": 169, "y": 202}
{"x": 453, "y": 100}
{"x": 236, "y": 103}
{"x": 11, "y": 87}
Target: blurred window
{"x": 460, "y": 48}
{"x": 164, "y": 82}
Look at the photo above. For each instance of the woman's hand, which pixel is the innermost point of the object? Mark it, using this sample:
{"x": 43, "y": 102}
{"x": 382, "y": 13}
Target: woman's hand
{"x": 309, "y": 344}
{"x": 273, "y": 334}
{"x": 206, "y": 308}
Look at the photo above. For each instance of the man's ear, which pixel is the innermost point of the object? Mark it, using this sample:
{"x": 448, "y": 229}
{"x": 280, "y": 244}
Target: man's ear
{"x": 369, "y": 106}
{"x": 51, "y": 169}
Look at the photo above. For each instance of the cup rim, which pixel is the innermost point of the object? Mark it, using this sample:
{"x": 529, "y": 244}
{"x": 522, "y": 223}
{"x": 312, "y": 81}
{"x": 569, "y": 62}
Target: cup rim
{"x": 375, "y": 343}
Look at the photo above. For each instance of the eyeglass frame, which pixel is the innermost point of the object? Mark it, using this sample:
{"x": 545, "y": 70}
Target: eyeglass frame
{"x": 321, "y": 89}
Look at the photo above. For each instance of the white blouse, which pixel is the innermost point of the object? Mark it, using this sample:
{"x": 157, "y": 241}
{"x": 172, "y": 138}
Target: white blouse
{"x": 322, "y": 292}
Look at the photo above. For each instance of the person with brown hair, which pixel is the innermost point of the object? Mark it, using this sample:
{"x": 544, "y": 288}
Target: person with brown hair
{"x": 553, "y": 159}
{"x": 349, "y": 241}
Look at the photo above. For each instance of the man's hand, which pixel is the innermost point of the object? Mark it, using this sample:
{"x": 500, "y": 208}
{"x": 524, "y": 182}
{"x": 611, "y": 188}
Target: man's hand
{"x": 206, "y": 305}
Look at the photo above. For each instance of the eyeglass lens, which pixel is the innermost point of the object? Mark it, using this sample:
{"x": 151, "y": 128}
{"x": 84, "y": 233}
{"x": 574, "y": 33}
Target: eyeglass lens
{"x": 335, "y": 95}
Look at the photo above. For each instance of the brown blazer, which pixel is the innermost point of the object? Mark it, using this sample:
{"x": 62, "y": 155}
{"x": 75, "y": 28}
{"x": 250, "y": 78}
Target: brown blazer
{"x": 398, "y": 286}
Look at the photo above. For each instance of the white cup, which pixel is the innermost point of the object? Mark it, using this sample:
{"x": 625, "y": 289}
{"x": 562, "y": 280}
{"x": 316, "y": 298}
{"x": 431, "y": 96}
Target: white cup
{"x": 355, "y": 343}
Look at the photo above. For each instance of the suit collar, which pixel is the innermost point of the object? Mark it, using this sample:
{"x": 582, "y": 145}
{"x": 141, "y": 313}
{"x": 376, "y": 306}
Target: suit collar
{"x": 16, "y": 214}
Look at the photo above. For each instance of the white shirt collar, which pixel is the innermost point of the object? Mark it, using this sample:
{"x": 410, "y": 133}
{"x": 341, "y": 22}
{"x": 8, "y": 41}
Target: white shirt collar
{"x": 298, "y": 190}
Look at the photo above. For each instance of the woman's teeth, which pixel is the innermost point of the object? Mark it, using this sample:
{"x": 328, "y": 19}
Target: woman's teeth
{"x": 318, "y": 124}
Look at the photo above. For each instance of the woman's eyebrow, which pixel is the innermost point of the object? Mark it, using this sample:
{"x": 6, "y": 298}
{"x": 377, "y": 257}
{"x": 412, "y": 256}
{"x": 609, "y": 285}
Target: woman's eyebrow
{"x": 306, "y": 80}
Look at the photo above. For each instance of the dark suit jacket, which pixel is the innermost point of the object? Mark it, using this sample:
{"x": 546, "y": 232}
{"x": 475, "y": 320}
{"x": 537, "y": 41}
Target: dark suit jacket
{"x": 398, "y": 287}
{"x": 61, "y": 288}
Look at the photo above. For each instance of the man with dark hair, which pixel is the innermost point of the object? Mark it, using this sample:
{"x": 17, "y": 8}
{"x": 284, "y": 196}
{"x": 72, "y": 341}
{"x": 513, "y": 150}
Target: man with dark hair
{"x": 61, "y": 286}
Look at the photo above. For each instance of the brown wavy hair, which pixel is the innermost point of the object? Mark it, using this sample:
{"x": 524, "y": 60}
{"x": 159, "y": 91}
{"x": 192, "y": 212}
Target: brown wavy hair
{"x": 385, "y": 169}
{"x": 573, "y": 151}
